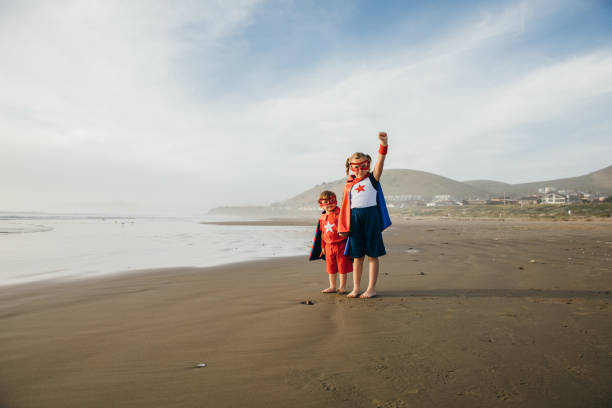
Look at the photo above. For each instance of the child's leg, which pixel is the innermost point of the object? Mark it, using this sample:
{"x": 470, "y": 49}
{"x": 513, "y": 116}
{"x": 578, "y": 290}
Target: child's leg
{"x": 371, "y": 291}
{"x": 342, "y": 287}
{"x": 331, "y": 267}
{"x": 357, "y": 271}
{"x": 332, "y": 284}
{"x": 345, "y": 266}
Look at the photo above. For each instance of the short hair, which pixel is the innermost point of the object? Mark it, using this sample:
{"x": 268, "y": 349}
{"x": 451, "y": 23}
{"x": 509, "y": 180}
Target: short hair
{"x": 326, "y": 195}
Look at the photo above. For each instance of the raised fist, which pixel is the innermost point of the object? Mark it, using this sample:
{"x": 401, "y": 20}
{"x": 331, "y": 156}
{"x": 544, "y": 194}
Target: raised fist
{"x": 382, "y": 136}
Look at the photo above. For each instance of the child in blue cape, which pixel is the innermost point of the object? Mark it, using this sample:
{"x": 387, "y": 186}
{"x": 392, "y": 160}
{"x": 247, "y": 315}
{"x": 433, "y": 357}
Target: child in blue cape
{"x": 364, "y": 215}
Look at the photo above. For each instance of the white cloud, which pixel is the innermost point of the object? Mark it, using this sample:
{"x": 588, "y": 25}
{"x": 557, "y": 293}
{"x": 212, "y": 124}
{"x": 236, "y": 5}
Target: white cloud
{"x": 438, "y": 103}
{"x": 89, "y": 88}
{"x": 94, "y": 84}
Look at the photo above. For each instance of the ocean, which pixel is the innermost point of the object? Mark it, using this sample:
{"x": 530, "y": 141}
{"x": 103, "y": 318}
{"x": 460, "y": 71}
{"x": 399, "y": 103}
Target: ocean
{"x": 38, "y": 247}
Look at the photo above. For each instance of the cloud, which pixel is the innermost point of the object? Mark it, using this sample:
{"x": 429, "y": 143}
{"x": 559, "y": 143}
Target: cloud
{"x": 437, "y": 100}
{"x": 122, "y": 103}
{"x": 92, "y": 86}
{"x": 103, "y": 71}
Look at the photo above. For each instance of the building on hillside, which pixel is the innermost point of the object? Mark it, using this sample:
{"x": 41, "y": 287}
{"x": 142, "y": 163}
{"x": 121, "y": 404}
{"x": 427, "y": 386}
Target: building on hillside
{"x": 442, "y": 203}
{"x": 405, "y": 200}
{"x": 404, "y": 197}
{"x": 442, "y": 200}
{"x": 413, "y": 203}
{"x": 477, "y": 201}
{"x": 530, "y": 200}
{"x": 554, "y": 198}
{"x": 591, "y": 197}
{"x": 546, "y": 190}
{"x": 442, "y": 197}
{"x": 500, "y": 200}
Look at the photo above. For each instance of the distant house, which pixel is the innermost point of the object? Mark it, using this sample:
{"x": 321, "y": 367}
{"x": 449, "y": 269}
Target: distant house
{"x": 573, "y": 198}
{"x": 475, "y": 201}
{"x": 405, "y": 200}
{"x": 404, "y": 197}
{"x": 500, "y": 200}
{"x": 414, "y": 203}
{"x": 442, "y": 197}
{"x": 531, "y": 200}
{"x": 442, "y": 203}
{"x": 554, "y": 198}
{"x": 546, "y": 190}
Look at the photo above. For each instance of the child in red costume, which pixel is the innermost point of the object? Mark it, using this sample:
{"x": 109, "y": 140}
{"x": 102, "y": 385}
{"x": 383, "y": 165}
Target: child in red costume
{"x": 364, "y": 216}
{"x": 329, "y": 245}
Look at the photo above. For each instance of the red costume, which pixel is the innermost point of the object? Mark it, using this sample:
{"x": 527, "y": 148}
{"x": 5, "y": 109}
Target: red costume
{"x": 328, "y": 238}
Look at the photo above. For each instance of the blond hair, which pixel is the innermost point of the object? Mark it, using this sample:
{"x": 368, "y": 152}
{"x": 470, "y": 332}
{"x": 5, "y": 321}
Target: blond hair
{"x": 357, "y": 155}
{"x": 326, "y": 195}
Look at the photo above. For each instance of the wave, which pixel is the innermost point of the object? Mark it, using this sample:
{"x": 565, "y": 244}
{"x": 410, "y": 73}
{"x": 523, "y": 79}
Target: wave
{"x": 9, "y": 228}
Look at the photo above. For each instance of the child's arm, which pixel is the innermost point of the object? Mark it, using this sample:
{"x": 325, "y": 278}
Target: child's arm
{"x": 380, "y": 163}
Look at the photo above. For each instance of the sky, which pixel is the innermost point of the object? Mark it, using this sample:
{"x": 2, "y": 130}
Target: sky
{"x": 175, "y": 107}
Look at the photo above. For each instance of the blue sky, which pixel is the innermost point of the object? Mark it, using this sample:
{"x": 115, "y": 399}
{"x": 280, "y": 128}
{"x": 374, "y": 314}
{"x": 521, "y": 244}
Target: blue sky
{"x": 182, "y": 106}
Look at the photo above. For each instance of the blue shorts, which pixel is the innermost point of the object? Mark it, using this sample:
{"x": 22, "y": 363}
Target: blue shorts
{"x": 366, "y": 233}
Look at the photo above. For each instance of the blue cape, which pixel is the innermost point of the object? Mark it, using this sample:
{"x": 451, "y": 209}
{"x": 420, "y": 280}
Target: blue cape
{"x": 315, "y": 252}
{"x": 382, "y": 210}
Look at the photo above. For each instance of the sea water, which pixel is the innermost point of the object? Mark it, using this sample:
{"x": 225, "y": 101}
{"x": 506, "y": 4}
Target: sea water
{"x": 35, "y": 247}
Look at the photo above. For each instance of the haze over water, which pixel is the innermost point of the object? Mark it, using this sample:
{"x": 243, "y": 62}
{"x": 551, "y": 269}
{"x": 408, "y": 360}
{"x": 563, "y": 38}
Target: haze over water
{"x": 41, "y": 247}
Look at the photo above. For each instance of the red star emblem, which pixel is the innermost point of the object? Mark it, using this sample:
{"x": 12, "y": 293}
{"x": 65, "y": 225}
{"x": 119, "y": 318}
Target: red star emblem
{"x": 360, "y": 188}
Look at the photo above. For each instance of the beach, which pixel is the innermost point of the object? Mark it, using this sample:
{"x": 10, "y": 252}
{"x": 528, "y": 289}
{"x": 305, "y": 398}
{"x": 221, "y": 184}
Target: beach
{"x": 474, "y": 313}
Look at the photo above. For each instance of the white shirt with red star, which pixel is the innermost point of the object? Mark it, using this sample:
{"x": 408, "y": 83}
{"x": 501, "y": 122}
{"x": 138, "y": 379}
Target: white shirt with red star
{"x": 363, "y": 194}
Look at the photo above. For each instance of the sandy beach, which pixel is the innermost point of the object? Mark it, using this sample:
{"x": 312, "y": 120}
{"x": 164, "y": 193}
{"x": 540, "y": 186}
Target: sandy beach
{"x": 470, "y": 313}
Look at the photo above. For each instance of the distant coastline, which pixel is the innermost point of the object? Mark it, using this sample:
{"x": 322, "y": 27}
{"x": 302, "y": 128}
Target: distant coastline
{"x": 419, "y": 193}
{"x": 583, "y": 212}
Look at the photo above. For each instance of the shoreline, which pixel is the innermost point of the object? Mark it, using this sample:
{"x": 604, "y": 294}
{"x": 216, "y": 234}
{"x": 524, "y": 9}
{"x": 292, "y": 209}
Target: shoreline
{"x": 399, "y": 219}
{"x": 482, "y": 326}
{"x": 299, "y": 221}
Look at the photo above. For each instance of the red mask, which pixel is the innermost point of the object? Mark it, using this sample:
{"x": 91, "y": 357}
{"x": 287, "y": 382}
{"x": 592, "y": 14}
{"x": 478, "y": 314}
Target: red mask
{"x": 327, "y": 201}
{"x": 362, "y": 165}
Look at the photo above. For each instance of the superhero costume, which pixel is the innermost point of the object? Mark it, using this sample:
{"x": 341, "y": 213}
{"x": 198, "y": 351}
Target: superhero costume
{"x": 344, "y": 220}
{"x": 326, "y": 236}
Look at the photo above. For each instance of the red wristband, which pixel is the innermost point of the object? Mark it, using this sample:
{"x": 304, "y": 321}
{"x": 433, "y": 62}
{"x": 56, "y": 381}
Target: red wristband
{"x": 383, "y": 149}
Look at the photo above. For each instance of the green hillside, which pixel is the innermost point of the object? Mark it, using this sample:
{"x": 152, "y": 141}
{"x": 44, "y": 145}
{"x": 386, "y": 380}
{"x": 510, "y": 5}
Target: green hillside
{"x": 401, "y": 182}
{"x": 599, "y": 181}
{"x": 395, "y": 182}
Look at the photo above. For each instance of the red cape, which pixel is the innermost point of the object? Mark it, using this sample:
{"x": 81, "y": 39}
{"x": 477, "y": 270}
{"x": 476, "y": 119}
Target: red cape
{"x": 344, "y": 219}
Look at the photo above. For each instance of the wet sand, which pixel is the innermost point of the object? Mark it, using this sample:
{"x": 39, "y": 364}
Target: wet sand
{"x": 463, "y": 318}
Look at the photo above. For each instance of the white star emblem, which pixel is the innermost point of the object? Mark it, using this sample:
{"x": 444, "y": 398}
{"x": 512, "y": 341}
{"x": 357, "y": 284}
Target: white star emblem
{"x": 329, "y": 227}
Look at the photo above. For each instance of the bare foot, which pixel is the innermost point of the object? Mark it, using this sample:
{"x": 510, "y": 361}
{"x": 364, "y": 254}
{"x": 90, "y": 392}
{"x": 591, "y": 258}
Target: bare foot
{"x": 342, "y": 291}
{"x": 329, "y": 290}
{"x": 368, "y": 294}
{"x": 353, "y": 294}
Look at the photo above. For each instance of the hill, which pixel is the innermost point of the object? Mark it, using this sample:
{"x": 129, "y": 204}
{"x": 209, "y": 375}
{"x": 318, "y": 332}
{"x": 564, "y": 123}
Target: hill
{"x": 403, "y": 185}
{"x": 599, "y": 181}
{"x": 490, "y": 186}
{"x": 396, "y": 182}
{"x": 415, "y": 183}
